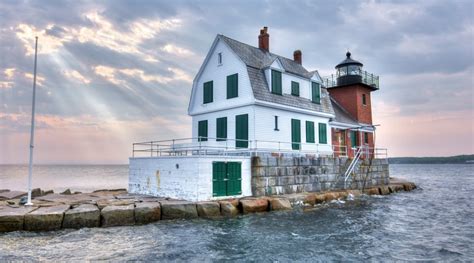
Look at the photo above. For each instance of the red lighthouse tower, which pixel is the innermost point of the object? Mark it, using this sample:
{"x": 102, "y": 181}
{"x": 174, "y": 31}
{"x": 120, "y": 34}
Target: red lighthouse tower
{"x": 350, "y": 89}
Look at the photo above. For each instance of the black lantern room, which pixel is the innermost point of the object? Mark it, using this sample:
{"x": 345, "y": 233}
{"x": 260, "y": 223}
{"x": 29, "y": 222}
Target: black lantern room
{"x": 349, "y": 71}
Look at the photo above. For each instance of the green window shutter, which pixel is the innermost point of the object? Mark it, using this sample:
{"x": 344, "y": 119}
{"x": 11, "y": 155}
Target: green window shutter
{"x": 276, "y": 82}
{"x": 295, "y": 134}
{"x": 234, "y": 176}
{"x": 242, "y": 131}
{"x": 221, "y": 129}
{"x": 310, "y": 131}
{"x": 219, "y": 174}
{"x": 232, "y": 86}
{"x": 353, "y": 138}
{"x": 316, "y": 92}
{"x": 323, "y": 139}
{"x": 295, "y": 88}
{"x": 202, "y": 131}
{"x": 208, "y": 92}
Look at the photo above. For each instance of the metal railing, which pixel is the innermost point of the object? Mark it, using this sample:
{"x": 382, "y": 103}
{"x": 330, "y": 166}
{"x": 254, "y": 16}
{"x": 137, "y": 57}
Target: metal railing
{"x": 367, "y": 78}
{"x": 353, "y": 164}
{"x": 221, "y": 146}
{"x": 236, "y": 147}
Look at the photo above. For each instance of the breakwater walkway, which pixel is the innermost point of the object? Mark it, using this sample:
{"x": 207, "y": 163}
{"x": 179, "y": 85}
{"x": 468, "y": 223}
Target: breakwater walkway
{"x": 106, "y": 208}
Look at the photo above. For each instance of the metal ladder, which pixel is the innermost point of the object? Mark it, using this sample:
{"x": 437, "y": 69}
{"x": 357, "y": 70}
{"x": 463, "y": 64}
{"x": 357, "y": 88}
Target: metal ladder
{"x": 352, "y": 165}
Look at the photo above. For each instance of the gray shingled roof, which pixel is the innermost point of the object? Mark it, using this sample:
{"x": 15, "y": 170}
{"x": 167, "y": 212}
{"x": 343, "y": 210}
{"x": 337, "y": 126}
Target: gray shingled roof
{"x": 342, "y": 115}
{"x": 257, "y": 60}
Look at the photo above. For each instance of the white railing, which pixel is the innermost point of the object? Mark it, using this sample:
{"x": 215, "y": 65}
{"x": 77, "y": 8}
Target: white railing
{"x": 353, "y": 164}
{"x": 217, "y": 146}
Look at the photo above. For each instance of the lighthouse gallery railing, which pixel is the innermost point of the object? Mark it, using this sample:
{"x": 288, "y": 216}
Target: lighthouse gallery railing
{"x": 367, "y": 78}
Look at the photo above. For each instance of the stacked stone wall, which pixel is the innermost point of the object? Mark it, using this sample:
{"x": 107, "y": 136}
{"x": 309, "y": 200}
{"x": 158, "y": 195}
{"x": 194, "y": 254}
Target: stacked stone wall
{"x": 286, "y": 174}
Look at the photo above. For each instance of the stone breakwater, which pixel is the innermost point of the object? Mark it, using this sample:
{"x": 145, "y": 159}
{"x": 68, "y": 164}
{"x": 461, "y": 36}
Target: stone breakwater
{"x": 107, "y": 208}
{"x": 276, "y": 174}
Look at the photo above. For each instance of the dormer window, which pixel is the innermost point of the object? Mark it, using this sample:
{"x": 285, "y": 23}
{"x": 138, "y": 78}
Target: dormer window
{"x": 315, "y": 92}
{"x": 276, "y": 82}
{"x": 219, "y": 59}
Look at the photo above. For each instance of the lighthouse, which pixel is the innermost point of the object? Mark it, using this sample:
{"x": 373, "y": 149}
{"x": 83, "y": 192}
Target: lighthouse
{"x": 350, "y": 89}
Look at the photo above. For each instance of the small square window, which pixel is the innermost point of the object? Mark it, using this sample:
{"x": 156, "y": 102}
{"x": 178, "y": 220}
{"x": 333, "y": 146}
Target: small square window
{"x": 295, "y": 88}
{"x": 219, "y": 58}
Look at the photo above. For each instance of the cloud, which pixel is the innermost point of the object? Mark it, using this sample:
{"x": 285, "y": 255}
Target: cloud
{"x": 39, "y": 79}
{"x": 9, "y": 72}
{"x": 48, "y": 43}
{"x": 74, "y": 74}
{"x": 110, "y": 74}
{"x": 100, "y": 32}
{"x": 172, "y": 49}
{"x": 6, "y": 84}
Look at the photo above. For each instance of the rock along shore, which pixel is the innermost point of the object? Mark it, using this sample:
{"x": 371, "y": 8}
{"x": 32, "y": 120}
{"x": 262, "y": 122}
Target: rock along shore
{"x": 107, "y": 208}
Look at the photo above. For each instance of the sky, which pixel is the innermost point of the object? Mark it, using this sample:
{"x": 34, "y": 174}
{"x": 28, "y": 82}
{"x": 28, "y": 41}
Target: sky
{"x": 111, "y": 73}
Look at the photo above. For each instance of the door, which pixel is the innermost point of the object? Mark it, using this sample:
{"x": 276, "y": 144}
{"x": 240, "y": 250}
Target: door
{"x": 234, "y": 178}
{"x": 342, "y": 142}
{"x": 219, "y": 175}
{"x": 226, "y": 178}
{"x": 295, "y": 134}
{"x": 242, "y": 131}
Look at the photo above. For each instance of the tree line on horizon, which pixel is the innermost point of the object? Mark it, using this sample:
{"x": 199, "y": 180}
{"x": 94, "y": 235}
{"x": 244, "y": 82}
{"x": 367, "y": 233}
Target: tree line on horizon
{"x": 458, "y": 159}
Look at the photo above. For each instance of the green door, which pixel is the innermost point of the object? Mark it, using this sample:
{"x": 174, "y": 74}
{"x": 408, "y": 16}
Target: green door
{"x": 219, "y": 174}
{"x": 295, "y": 134}
{"x": 226, "y": 178}
{"x": 242, "y": 131}
{"x": 353, "y": 139}
{"x": 234, "y": 176}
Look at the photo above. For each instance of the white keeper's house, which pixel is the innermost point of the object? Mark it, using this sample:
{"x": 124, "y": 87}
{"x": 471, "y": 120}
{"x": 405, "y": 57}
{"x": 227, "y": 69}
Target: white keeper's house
{"x": 246, "y": 100}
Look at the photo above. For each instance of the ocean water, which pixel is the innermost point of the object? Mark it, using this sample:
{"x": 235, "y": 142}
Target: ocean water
{"x": 432, "y": 223}
{"x": 83, "y": 178}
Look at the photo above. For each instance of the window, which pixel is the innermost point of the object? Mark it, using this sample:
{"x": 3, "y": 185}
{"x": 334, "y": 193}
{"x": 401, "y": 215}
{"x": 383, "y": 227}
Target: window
{"x": 276, "y": 82}
{"x": 295, "y": 134}
{"x": 366, "y": 137}
{"x": 242, "y": 131}
{"x": 232, "y": 86}
{"x": 276, "y": 123}
{"x": 315, "y": 92}
{"x": 310, "y": 131}
{"x": 354, "y": 70}
{"x": 208, "y": 92}
{"x": 221, "y": 129}
{"x": 219, "y": 58}
{"x": 323, "y": 138}
{"x": 295, "y": 88}
{"x": 353, "y": 139}
{"x": 364, "y": 100}
{"x": 202, "y": 131}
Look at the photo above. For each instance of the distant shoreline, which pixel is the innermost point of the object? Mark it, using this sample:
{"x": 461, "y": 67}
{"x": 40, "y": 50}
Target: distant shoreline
{"x": 458, "y": 159}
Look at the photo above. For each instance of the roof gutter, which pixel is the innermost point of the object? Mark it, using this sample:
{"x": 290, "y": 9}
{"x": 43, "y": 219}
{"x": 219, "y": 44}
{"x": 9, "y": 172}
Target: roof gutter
{"x": 293, "y": 109}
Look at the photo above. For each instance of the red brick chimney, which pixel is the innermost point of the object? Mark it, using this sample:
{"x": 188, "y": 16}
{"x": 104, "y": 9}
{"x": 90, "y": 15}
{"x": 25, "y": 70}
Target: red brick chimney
{"x": 297, "y": 56}
{"x": 264, "y": 39}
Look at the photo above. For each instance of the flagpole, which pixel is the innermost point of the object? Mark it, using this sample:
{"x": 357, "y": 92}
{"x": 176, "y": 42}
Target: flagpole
{"x": 32, "y": 134}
